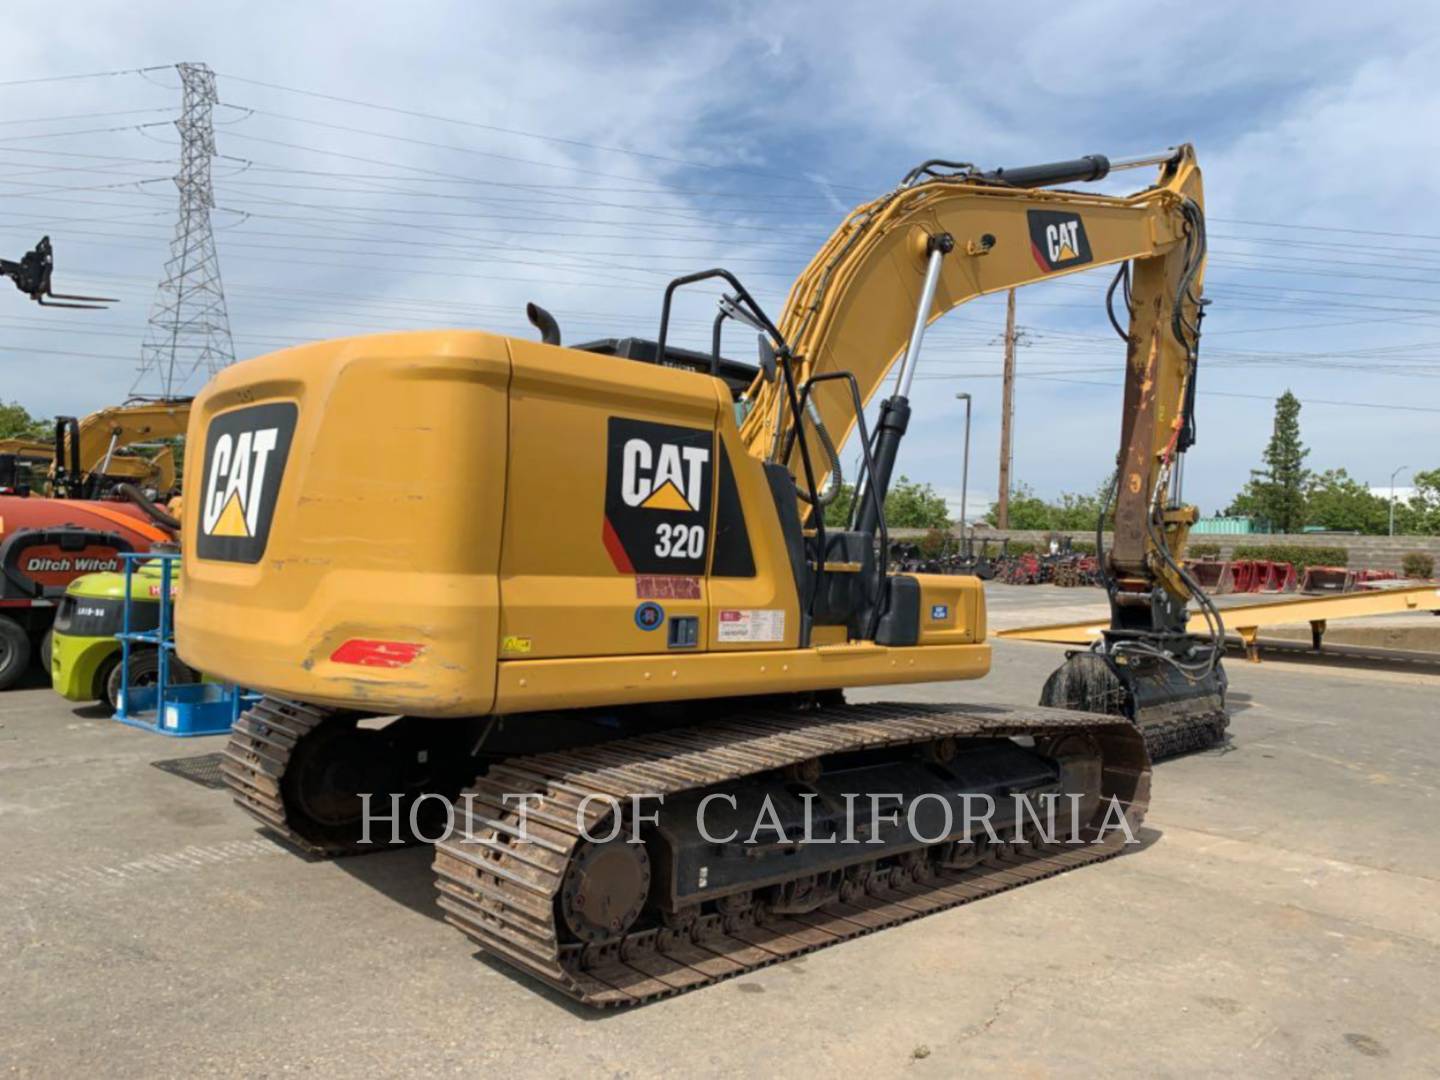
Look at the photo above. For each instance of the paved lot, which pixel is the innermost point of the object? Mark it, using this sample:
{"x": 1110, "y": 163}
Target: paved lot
{"x": 1285, "y": 921}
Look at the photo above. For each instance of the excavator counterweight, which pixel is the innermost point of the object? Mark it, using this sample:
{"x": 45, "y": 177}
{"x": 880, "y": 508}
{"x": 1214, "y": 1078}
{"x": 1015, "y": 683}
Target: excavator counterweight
{"x": 589, "y": 597}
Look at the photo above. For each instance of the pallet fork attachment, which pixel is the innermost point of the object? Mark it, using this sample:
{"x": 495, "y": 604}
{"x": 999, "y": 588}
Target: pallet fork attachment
{"x": 32, "y": 276}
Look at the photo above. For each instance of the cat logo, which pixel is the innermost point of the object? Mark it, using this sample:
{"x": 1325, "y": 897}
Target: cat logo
{"x": 245, "y": 454}
{"x": 664, "y": 477}
{"x": 1058, "y": 240}
{"x": 237, "y": 475}
{"x": 658, "y": 480}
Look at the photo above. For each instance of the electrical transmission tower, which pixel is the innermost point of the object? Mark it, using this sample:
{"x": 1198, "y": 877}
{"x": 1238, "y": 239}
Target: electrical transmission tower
{"x": 189, "y": 325}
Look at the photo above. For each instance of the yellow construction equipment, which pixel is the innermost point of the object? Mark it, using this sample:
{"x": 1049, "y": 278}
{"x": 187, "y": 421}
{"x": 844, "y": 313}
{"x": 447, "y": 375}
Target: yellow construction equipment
{"x": 569, "y": 575}
{"x": 90, "y": 456}
{"x": 30, "y": 463}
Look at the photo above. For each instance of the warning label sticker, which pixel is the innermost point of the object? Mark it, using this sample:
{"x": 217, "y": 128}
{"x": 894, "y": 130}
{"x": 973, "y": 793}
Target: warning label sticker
{"x": 666, "y": 587}
{"x": 754, "y": 624}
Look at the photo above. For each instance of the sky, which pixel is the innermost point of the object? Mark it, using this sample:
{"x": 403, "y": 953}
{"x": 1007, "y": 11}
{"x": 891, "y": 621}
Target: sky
{"x": 386, "y": 166}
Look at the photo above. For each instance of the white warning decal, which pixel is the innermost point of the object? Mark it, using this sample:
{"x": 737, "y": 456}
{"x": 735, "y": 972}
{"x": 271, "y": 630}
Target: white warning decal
{"x": 753, "y": 624}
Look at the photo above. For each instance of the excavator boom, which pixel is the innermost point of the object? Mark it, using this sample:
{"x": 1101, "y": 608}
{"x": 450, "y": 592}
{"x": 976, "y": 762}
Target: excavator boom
{"x": 948, "y": 234}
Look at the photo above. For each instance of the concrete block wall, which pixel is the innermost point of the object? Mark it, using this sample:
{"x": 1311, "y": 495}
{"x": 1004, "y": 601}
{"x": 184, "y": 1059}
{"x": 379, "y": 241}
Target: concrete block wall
{"x": 1366, "y": 552}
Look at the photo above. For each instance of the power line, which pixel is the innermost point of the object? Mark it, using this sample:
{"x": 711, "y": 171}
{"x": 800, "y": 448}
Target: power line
{"x": 86, "y": 75}
{"x": 1216, "y": 393}
{"x": 83, "y": 131}
{"x": 688, "y": 163}
{"x": 1327, "y": 228}
{"x": 436, "y": 172}
{"x": 83, "y": 116}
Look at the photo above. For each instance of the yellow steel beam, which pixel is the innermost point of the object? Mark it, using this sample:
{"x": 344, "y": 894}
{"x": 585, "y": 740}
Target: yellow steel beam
{"x": 1246, "y": 619}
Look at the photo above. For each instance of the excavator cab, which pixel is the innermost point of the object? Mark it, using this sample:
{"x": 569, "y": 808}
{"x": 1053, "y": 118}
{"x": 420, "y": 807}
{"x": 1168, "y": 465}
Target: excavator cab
{"x": 842, "y": 574}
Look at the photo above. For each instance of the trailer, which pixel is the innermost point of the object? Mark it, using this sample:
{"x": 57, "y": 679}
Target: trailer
{"x": 1246, "y": 620}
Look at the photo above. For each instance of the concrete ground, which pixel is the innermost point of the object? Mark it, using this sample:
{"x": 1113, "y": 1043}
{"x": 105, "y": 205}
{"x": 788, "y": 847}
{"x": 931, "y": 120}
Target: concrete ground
{"x": 1285, "y": 921}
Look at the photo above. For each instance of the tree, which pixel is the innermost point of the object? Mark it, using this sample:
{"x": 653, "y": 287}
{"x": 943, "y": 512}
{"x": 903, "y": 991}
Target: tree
{"x": 1422, "y": 512}
{"x": 1276, "y": 493}
{"x": 1027, "y": 510}
{"x": 837, "y": 514}
{"x": 1073, "y": 511}
{"x": 915, "y": 506}
{"x": 1333, "y": 500}
{"x": 17, "y": 423}
{"x": 909, "y": 505}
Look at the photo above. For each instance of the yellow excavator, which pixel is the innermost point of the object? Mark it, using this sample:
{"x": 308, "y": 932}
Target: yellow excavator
{"x": 27, "y": 463}
{"x": 88, "y": 456}
{"x": 577, "y": 612}
{"x": 91, "y": 456}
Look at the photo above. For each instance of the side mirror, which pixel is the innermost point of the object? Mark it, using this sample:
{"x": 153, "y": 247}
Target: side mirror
{"x": 768, "y": 364}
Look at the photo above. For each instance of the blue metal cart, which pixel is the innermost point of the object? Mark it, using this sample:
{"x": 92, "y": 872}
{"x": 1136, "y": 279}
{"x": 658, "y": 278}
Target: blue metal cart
{"x": 203, "y": 708}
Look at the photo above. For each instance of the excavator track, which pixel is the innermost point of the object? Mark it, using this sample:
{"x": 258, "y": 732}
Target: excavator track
{"x": 262, "y": 743}
{"x": 506, "y": 893}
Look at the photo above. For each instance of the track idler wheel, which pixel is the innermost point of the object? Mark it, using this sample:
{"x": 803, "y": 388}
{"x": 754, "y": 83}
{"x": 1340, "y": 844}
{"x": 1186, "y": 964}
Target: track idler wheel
{"x": 330, "y": 771}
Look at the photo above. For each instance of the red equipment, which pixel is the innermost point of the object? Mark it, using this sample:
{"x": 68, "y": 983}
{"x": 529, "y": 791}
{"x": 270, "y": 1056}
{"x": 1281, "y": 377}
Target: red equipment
{"x": 1327, "y": 579}
{"x": 1214, "y": 575}
{"x": 44, "y": 545}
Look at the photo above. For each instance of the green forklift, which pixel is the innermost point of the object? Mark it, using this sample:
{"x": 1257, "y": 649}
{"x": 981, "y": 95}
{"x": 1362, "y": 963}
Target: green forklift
{"x": 85, "y": 653}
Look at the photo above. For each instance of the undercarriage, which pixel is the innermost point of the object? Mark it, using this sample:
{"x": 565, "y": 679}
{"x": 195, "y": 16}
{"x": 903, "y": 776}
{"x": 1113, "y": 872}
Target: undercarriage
{"x": 649, "y": 856}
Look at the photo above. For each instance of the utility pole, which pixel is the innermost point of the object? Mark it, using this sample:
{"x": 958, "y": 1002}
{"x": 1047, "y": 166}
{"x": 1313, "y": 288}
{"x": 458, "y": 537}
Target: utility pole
{"x": 189, "y": 324}
{"x": 964, "y": 473}
{"x": 1007, "y": 412}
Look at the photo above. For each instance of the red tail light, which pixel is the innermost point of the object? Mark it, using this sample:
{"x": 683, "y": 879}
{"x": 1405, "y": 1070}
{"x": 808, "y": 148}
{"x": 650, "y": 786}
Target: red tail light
{"x": 391, "y": 654}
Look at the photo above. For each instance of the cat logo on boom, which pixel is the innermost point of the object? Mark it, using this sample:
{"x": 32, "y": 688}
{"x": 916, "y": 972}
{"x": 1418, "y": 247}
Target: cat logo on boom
{"x": 245, "y": 454}
{"x": 657, "y": 497}
{"x": 1058, "y": 240}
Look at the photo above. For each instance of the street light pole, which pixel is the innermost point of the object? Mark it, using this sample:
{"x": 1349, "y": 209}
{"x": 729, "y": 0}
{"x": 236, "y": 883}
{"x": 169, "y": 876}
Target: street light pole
{"x": 964, "y": 473}
{"x": 1394, "y": 474}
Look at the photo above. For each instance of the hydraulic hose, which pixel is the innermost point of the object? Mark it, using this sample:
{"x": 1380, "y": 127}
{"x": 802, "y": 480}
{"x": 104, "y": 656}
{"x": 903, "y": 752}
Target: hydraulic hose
{"x": 835, "y": 478}
{"x": 153, "y": 512}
